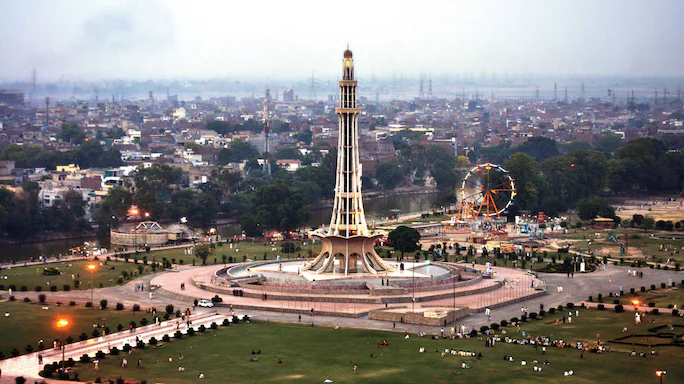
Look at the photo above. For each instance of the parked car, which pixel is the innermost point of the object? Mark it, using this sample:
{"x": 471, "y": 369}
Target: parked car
{"x": 205, "y": 303}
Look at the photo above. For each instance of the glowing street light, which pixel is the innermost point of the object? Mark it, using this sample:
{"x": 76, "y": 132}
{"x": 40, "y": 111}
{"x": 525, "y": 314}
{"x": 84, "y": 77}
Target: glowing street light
{"x": 91, "y": 268}
{"x": 661, "y": 373}
{"x": 63, "y": 324}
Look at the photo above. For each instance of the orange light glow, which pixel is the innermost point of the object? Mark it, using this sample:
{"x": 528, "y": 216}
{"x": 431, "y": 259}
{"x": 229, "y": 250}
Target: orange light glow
{"x": 636, "y": 302}
{"x": 62, "y": 323}
{"x": 91, "y": 267}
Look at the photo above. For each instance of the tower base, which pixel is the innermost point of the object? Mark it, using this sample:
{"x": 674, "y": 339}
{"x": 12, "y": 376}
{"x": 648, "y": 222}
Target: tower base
{"x": 355, "y": 254}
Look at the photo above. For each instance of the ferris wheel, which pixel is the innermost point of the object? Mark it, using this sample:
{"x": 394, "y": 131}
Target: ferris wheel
{"x": 487, "y": 190}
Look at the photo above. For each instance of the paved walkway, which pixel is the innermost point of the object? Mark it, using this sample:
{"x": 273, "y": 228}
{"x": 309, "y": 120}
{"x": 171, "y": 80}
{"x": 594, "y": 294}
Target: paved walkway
{"x": 28, "y": 366}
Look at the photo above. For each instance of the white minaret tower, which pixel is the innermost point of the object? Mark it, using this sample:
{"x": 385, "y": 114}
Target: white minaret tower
{"x": 348, "y": 218}
{"x": 348, "y": 239}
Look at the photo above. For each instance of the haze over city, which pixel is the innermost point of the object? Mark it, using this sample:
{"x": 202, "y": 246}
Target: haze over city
{"x": 84, "y": 40}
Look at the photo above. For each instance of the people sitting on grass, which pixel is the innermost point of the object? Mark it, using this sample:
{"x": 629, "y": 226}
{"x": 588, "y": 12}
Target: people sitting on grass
{"x": 254, "y": 359}
{"x": 181, "y": 369}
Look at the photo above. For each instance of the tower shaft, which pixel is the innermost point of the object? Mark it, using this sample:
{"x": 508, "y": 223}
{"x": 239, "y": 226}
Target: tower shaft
{"x": 267, "y": 130}
{"x": 348, "y": 218}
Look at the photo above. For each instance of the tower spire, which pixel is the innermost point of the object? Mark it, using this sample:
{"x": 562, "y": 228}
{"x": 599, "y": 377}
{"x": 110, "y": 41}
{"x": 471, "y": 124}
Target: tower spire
{"x": 267, "y": 129}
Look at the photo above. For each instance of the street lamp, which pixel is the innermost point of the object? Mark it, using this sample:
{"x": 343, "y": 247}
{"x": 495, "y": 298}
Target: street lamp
{"x": 91, "y": 268}
{"x": 661, "y": 373}
{"x": 62, "y": 325}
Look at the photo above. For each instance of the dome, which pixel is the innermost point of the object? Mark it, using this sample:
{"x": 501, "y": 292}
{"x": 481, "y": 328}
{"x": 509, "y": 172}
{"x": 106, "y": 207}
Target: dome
{"x": 347, "y": 54}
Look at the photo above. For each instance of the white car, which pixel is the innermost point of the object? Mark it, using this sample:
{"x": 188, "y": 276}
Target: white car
{"x": 205, "y": 303}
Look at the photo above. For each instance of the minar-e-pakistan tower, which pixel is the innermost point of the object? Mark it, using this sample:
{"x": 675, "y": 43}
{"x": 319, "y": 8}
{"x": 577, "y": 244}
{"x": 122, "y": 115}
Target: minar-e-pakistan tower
{"x": 348, "y": 238}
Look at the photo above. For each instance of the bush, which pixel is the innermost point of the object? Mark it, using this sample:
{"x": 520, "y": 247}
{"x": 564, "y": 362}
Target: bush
{"x": 42, "y": 297}
{"x": 484, "y": 329}
{"x": 19, "y": 380}
{"x": 23, "y": 288}
{"x": 616, "y": 301}
{"x": 542, "y": 313}
{"x": 514, "y": 320}
{"x": 504, "y": 323}
{"x": 83, "y": 336}
{"x": 523, "y": 318}
{"x": 169, "y": 309}
{"x": 533, "y": 315}
{"x": 591, "y": 298}
{"x": 213, "y": 325}
{"x": 178, "y": 313}
{"x": 140, "y": 345}
{"x": 632, "y": 290}
{"x": 552, "y": 310}
{"x": 655, "y": 311}
{"x": 166, "y": 338}
{"x": 114, "y": 351}
{"x": 619, "y": 308}
{"x": 100, "y": 355}
{"x": 236, "y": 319}
{"x": 601, "y": 307}
{"x": 95, "y": 333}
{"x": 12, "y": 298}
{"x": 201, "y": 328}
{"x": 85, "y": 358}
{"x": 675, "y": 312}
{"x": 570, "y": 305}
{"x": 153, "y": 341}
{"x": 216, "y": 299}
{"x": 144, "y": 321}
{"x": 663, "y": 285}
{"x": 53, "y": 288}
{"x": 178, "y": 335}
{"x": 72, "y": 303}
{"x": 494, "y": 326}
{"x": 651, "y": 305}
{"x": 136, "y": 307}
{"x": 191, "y": 332}
{"x": 27, "y": 300}
{"x": 119, "y": 306}
{"x": 38, "y": 288}
{"x": 103, "y": 304}
{"x": 225, "y": 323}
{"x": 66, "y": 287}
{"x": 643, "y": 289}
{"x": 653, "y": 287}
{"x": 29, "y": 348}
{"x": 127, "y": 347}
{"x": 473, "y": 333}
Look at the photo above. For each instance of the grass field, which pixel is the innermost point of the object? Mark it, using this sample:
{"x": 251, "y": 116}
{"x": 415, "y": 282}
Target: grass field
{"x": 252, "y": 250}
{"x": 29, "y": 323}
{"x": 106, "y": 274}
{"x": 316, "y": 354}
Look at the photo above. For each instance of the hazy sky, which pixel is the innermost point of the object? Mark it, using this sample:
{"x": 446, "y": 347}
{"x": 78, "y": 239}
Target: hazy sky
{"x": 143, "y": 39}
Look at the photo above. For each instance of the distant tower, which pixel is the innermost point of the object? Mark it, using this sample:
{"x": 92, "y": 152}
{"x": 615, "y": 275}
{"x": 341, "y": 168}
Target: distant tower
{"x": 536, "y": 94}
{"x": 348, "y": 238}
{"x": 33, "y": 87}
{"x": 655, "y": 96}
{"x": 151, "y": 96}
{"x": 97, "y": 96}
{"x": 665, "y": 94}
{"x": 421, "y": 94}
{"x": 583, "y": 91}
{"x": 312, "y": 90}
{"x": 565, "y": 98}
{"x": 430, "y": 94}
{"x": 47, "y": 113}
{"x": 555, "y": 92}
{"x": 630, "y": 102}
{"x": 267, "y": 130}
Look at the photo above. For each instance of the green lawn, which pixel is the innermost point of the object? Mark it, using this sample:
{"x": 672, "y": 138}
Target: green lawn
{"x": 637, "y": 240}
{"x": 253, "y": 250}
{"x": 29, "y": 323}
{"x": 662, "y": 297}
{"x": 106, "y": 274}
{"x": 314, "y": 354}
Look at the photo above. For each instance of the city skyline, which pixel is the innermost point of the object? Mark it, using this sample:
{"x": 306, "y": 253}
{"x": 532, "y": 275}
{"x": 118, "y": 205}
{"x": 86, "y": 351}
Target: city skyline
{"x": 77, "y": 40}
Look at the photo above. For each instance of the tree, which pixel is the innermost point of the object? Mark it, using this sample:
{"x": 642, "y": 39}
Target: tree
{"x": 280, "y": 206}
{"x": 647, "y": 223}
{"x": 304, "y": 136}
{"x": 592, "y": 207}
{"x": 529, "y": 185}
{"x": 72, "y": 133}
{"x": 202, "y": 251}
{"x": 389, "y": 175}
{"x": 404, "y": 239}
